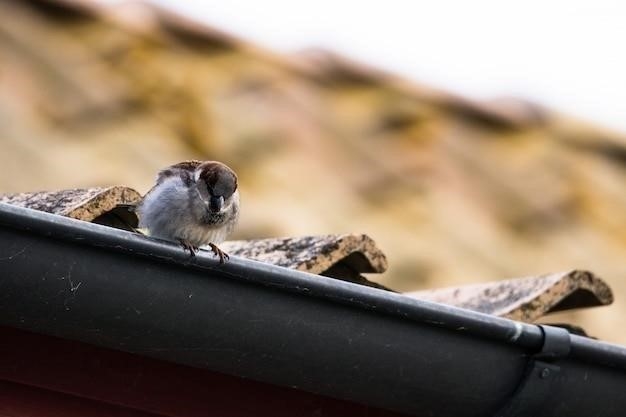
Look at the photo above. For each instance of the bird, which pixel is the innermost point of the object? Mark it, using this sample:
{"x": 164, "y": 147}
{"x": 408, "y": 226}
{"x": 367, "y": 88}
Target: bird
{"x": 193, "y": 203}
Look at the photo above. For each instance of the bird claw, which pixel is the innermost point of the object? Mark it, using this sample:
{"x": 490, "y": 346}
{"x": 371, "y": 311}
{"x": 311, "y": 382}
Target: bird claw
{"x": 188, "y": 246}
{"x": 218, "y": 252}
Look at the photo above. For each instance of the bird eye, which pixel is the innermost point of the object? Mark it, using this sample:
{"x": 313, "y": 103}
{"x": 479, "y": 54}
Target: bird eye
{"x": 225, "y": 186}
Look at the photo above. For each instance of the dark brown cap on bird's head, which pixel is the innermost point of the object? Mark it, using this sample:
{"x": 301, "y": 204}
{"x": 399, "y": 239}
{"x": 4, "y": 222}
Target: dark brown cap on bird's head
{"x": 220, "y": 182}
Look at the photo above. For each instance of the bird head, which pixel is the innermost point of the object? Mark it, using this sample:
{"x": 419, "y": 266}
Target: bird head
{"x": 216, "y": 184}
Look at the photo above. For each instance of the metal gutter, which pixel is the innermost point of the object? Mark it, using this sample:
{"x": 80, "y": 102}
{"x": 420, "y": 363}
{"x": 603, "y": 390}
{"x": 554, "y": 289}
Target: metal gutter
{"x": 123, "y": 291}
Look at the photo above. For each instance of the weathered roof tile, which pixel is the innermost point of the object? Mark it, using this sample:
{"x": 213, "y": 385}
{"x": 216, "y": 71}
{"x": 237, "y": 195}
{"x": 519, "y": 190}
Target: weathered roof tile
{"x": 79, "y": 203}
{"x": 526, "y": 299}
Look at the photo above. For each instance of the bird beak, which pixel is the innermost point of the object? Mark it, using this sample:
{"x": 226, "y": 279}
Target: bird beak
{"x": 216, "y": 203}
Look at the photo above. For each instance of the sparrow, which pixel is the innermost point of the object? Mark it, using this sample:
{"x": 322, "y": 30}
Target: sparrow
{"x": 194, "y": 203}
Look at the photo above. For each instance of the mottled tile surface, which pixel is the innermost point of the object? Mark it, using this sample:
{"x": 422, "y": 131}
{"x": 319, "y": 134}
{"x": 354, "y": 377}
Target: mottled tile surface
{"x": 79, "y": 203}
{"x": 314, "y": 254}
{"x": 526, "y": 299}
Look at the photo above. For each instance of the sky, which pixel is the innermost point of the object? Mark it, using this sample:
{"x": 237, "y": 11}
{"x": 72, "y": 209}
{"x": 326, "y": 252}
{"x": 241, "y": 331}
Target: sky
{"x": 567, "y": 55}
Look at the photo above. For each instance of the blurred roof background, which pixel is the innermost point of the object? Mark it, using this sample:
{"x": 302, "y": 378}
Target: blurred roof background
{"x": 563, "y": 53}
{"x": 453, "y": 189}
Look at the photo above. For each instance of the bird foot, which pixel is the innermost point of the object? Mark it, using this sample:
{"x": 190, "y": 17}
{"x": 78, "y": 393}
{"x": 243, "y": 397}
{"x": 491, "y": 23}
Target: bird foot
{"x": 188, "y": 246}
{"x": 218, "y": 252}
